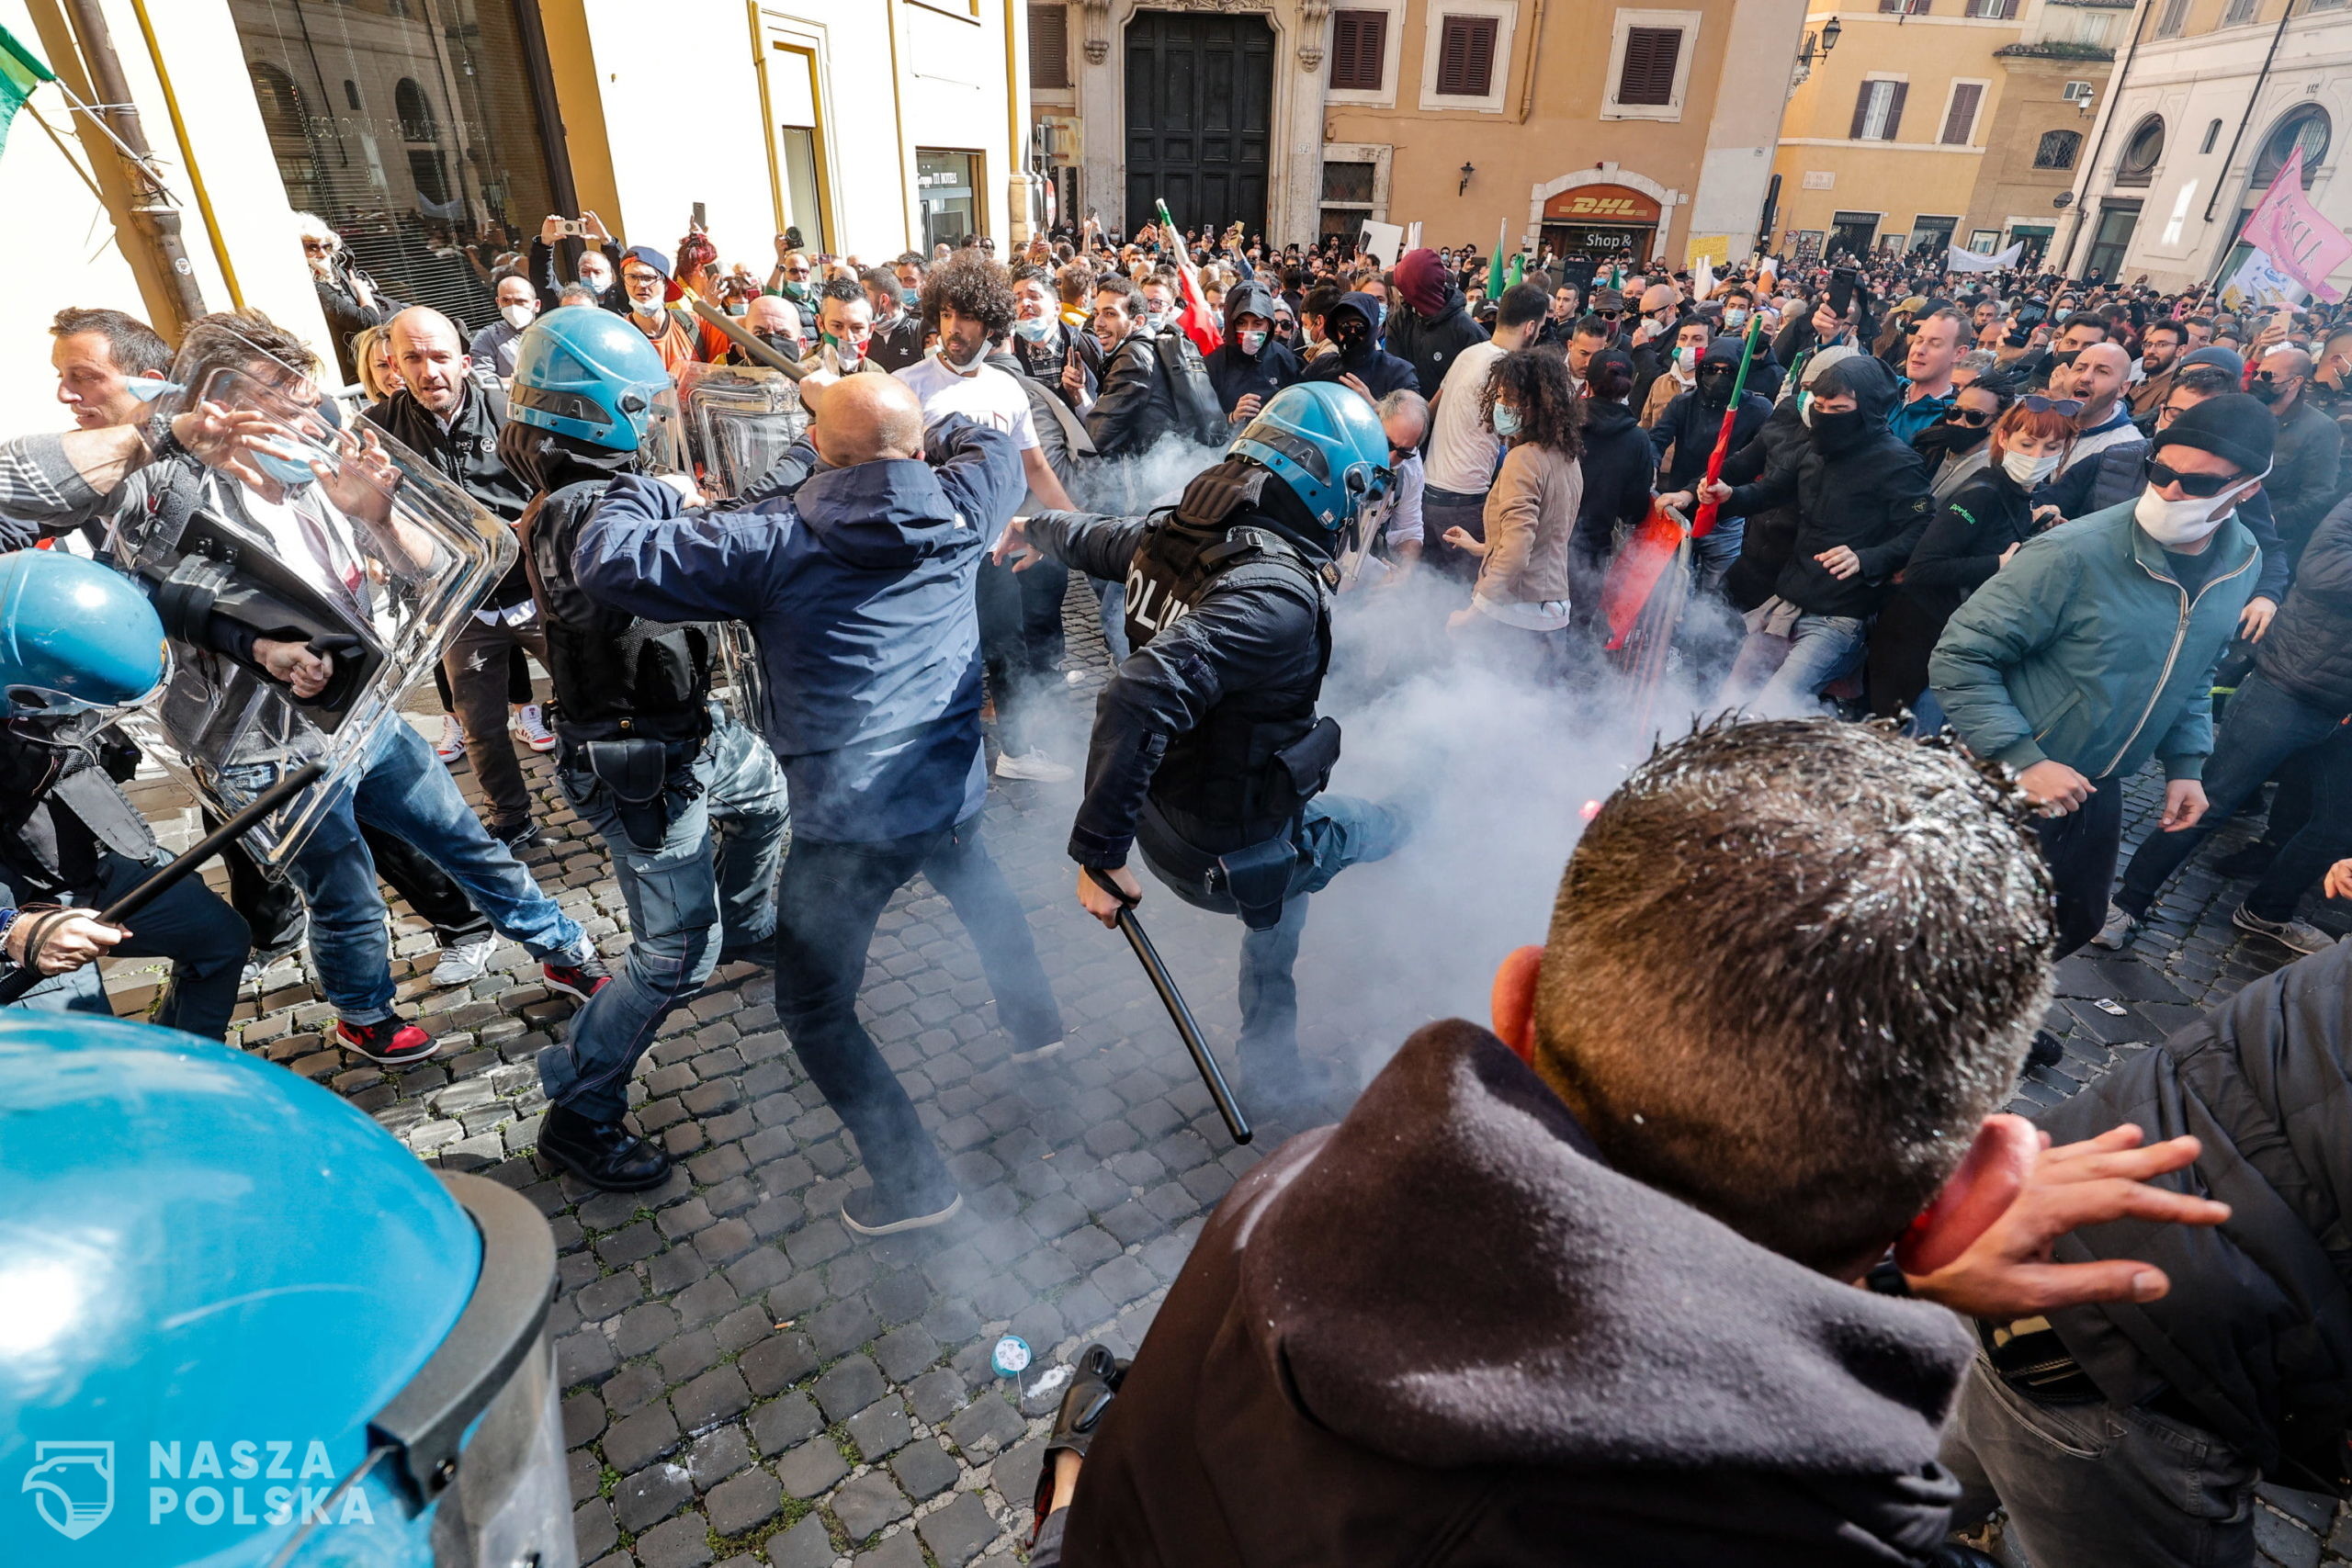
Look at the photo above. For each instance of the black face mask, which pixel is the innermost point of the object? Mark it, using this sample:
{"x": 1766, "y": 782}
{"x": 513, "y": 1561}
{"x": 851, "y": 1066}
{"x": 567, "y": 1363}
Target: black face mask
{"x": 1351, "y": 333}
{"x": 1714, "y": 388}
{"x": 782, "y": 344}
{"x": 1945, "y": 435}
{"x": 2266, "y": 391}
{"x": 1836, "y": 433}
{"x": 2067, "y": 358}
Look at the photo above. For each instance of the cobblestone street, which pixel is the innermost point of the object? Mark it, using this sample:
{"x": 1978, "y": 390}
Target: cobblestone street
{"x": 747, "y": 1383}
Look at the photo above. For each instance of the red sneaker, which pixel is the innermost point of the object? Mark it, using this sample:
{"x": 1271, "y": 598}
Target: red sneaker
{"x": 394, "y": 1042}
{"x": 583, "y": 979}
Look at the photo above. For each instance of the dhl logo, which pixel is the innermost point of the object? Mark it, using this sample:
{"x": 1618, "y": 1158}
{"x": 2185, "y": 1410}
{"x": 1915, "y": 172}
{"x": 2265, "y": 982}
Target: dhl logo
{"x": 1602, "y": 207}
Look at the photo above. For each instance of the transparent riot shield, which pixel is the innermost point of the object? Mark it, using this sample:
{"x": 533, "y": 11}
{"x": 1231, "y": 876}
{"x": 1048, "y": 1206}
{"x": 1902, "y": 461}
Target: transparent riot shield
{"x": 739, "y": 422}
{"x": 306, "y": 585}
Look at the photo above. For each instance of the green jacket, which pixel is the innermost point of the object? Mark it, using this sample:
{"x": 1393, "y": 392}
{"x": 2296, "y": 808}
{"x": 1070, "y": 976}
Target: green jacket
{"x": 2085, "y": 650}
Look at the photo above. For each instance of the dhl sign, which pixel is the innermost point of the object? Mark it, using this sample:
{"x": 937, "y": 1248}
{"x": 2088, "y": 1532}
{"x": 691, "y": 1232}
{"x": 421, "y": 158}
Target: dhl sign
{"x": 1601, "y": 204}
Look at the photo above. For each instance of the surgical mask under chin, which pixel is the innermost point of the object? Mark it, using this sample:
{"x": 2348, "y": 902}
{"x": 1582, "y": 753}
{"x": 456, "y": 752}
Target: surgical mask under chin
{"x": 1034, "y": 329}
{"x": 848, "y": 354}
{"x": 2174, "y": 523}
{"x": 518, "y": 316}
{"x": 2029, "y": 470}
{"x": 963, "y": 366}
{"x": 1506, "y": 421}
{"x": 649, "y": 310}
{"x": 1251, "y": 342}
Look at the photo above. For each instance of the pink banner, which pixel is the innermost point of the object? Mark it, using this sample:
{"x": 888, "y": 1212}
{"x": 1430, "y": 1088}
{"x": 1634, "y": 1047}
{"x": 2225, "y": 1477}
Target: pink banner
{"x": 2290, "y": 230}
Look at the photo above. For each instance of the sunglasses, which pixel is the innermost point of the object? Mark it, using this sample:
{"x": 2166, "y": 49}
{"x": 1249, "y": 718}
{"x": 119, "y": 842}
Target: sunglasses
{"x": 1976, "y": 419}
{"x": 2204, "y": 487}
{"x": 1609, "y": 315}
{"x": 2064, "y": 408}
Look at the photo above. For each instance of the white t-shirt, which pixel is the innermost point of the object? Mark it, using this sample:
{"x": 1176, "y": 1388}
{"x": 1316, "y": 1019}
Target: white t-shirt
{"x": 987, "y": 396}
{"x": 1463, "y": 450}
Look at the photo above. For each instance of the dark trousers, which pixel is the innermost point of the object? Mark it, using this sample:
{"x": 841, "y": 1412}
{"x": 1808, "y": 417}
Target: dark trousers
{"x": 2266, "y": 725}
{"x": 1021, "y": 640}
{"x": 831, "y": 894}
{"x": 274, "y": 909}
{"x": 1443, "y": 509}
{"x": 189, "y": 925}
{"x": 478, "y": 661}
{"x": 2080, "y": 849}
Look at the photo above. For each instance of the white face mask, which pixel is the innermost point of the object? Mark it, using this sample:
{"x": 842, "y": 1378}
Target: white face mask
{"x": 1251, "y": 342}
{"x": 2176, "y": 524}
{"x": 2029, "y": 471}
{"x": 518, "y": 316}
{"x": 963, "y": 366}
{"x": 649, "y": 308}
{"x": 1734, "y": 317}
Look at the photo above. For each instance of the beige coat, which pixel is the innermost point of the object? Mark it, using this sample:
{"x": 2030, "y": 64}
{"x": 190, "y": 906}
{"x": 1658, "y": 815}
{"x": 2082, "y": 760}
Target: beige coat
{"x": 1531, "y": 511}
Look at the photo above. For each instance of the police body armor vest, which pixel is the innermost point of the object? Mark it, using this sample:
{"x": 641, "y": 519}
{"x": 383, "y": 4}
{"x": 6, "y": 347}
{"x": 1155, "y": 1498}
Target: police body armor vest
{"x": 616, "y": 677}
{"x": 1241, "y": 775}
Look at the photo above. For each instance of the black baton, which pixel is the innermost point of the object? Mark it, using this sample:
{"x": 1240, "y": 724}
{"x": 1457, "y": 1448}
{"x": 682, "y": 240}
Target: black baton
{"x": 1173, "y": 999}
{"x": 171, "y": 873}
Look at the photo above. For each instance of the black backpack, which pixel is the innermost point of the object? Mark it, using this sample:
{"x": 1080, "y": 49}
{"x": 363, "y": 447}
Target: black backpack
{"x": 1199, "y": 416}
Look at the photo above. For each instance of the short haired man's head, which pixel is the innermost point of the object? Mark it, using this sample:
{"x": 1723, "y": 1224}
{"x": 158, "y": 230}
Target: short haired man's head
{"x": 1118, "y": 309}
{"x": 1793, "y": 965}
{"x": 2100, "y": 374}
{"x": 95, "y": 354}
{"x": 2280, "y": 380}
{"x": 845, "y": 316}
{"x": 1521, "y": 306}
{"x": 1405, "y": 417}
{"x": 772, "y": 315}
{"x": 2079, "y": 333}
{"x": 430, "y": 359}
{"x": 1936, "y": 347}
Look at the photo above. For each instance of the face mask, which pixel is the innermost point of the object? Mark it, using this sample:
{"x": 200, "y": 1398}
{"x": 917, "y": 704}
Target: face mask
{"x": 286, "y": 471}
{"x": 782, "y": 344}
{"x": 848, "y": 354}
{"x": 1035, "y": 330}
{"x": 649, "y": 312}
{"x": 147, "y": 388}
{"x": 1154, "y": 318}
{"x": 1714, "y": 389}
{"x": 596, "y": 280}
{"x": 1506, "y": 420}
{"x": 795, "y": 289}
{"x": 2176, "y": 524}
{"x": 1735, "y": 318}
{"x": 963, "y": 366}
{"x": 2029, "y": 471}
{"x": 1685, "y": 357}
{"x": 1252, "y": 341}
{"x": 2067, "y": 358}
{"x": 521, "y": 316}
{"x": 2266, "y": 391}
{"x": 1837, "y": 433}
{"x": 910, "y": 298}
{"x": 1351, "y": 334}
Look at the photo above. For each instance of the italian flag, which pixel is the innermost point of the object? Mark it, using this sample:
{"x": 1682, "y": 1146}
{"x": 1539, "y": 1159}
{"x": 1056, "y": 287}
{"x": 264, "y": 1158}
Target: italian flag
{"x": 1197, "y": 320}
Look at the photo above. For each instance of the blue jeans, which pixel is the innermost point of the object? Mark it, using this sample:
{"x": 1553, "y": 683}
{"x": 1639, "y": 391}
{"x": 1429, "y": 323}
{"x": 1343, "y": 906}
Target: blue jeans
{"x": 2265, "y": 725}
{"x": 1112, "y": 617}
{"x": 407, "y": 790}
{"x": 832, "y": 893}
{"x": 1335, "y": 832}
{"x": 1819, "y": 651}
{"x": 1713, "y": 553}
{"x": 710, "y": 883}
{"x": 206, "y": 940}
{"x": 2090, "y": 1485}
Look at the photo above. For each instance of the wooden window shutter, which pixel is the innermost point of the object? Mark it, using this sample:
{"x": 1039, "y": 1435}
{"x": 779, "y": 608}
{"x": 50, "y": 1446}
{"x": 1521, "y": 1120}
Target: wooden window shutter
{"x": 1895, "y": 111}
{"x": 1359, "y": 50}
{"x": 1465, "y": 57}
{"x": 1960, "y": 119}
{"x": 1048, "y": 44}
{"x": 1861, "y": 111}
{"x": 1651, "y": 55}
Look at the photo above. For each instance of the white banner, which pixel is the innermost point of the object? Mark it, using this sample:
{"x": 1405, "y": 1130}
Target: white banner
{"x": 1959, "y": 260}
{"x": 1385, "y": 240}
{"x": 2260, "y": 281}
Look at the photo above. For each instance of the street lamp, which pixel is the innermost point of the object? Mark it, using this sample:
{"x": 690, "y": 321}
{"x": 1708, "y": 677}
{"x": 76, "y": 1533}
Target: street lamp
{"x": 1467, "y": 170}
{"x": 1818, "y": 45}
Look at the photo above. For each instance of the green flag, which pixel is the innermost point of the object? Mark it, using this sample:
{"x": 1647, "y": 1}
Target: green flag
{"x": 1495, "y": 263}
{"x": 20, "y": 72}
{"x": 1518, "y": 270}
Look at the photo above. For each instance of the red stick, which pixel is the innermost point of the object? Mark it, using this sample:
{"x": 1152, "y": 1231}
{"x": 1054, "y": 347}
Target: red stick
{"x": 1703, "y": 521}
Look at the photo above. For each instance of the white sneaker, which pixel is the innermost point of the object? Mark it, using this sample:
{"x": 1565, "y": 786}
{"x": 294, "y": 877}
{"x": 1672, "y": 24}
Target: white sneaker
{"x": 1073, "y": 677}
{"x": 464, "y": 964}
{"x": 531, "y": 725}
{"x": 1036, "y": 767}
{"x": 452, "y": 744}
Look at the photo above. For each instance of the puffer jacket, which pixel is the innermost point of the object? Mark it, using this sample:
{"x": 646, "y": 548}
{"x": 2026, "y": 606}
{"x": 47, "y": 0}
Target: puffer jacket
{"x": 2255, "y": 1335}
{"x": 1871, "y": 498}
{"x": 2086, "y": 649}
{"x": 2117, "y": 475}
{"x": 2308, "y": 649}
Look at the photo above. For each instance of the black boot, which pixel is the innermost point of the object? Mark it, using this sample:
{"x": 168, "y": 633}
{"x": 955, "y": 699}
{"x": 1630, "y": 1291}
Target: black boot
{"x": 603, "y": 1154}
{"x": 1095, "y": 1379}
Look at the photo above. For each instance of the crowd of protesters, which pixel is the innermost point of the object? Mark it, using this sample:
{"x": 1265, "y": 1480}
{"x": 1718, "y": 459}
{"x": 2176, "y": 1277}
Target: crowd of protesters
{"x": 2045, "y": 525}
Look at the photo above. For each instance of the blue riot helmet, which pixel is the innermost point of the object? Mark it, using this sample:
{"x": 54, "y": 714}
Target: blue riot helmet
{"x": 75, "y": 637}
{"x": 585, "y": 372}
{"x": 1324, "y": 442}
{"x": 240, "y": 1326}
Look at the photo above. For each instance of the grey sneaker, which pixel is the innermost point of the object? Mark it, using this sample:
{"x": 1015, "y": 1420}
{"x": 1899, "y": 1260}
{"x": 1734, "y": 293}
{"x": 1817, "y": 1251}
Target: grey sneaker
{"x": 465, "y": 963}
{"x": 2116, "y": 934}
{"x": 2299, "y": 935}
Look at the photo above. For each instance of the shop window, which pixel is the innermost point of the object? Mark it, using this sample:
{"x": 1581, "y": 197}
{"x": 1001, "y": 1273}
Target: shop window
{"x": 948, "y": 185}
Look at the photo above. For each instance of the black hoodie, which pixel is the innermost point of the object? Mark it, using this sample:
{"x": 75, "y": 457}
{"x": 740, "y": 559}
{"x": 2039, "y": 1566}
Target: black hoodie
{"x": 1380, "y": 370}
{"x": 1236, "y": 375}
{"x": 1689, "y": 425}
{"x": 1429, "y": 344}
{"x": 1444, "y": 1333}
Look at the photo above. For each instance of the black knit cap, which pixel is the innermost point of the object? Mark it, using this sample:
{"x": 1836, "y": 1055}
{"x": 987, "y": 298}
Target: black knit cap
{"x": 2232, "y": 427}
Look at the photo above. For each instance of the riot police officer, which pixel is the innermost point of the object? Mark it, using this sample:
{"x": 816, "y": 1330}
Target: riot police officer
{"x": 78, "y": 643}
{"x": 1207, "y": 754}
{"x": 690, "y": 803}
